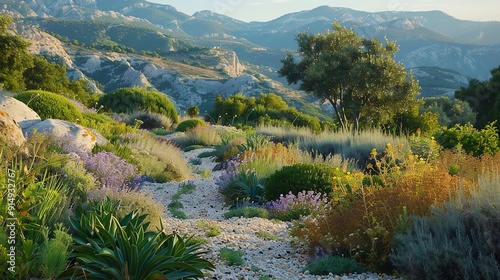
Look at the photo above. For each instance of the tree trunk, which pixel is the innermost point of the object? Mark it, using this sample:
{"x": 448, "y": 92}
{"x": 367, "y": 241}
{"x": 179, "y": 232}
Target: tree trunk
{"x": 340, "y": 117}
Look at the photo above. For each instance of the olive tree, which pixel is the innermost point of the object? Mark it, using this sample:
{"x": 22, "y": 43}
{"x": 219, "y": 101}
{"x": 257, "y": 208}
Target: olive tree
{"x": 357, "y": 76}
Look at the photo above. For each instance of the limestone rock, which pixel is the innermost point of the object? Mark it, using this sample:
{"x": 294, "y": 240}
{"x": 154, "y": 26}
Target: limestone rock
{"x": 20, "y": 112}
{"x": 77, "y": 135}
{"x": 10, "y": 132}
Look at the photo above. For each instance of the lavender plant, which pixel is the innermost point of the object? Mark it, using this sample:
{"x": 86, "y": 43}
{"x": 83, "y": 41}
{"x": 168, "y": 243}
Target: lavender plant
{"x": 111, "y": 171}
{"x": 293, "y": 207}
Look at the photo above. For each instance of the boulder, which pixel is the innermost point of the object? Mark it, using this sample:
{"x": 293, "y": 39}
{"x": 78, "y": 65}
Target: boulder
{"x": 76, "y": 134}
{"x": 10, "y": 132}
{"x": 20, "y": 112}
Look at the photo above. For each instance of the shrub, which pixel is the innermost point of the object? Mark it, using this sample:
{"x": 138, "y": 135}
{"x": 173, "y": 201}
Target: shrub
{"x": 107, "y": 247}
{"x": 247, "y": 212}
{"x": 149, "y": 120}
{"x": 105, "y": 125}
{"x": 335, "y": 265}
{"x": 458, "y": 241}
{"x": 294, "y": 207}
{"x": 471, "y": 140}
{"x": 193, "y": 111}
{"x": 111, "y": 171}
{"x": 300, "y": 177}
{"x": 127, "y": 100}
{"x": 49, "y": 105}
{"x": 189, "y": 124}
{"x": 231, "y": 256}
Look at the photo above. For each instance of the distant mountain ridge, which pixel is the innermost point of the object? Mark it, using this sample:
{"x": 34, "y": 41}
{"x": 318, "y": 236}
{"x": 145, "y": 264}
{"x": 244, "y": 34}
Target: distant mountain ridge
{"x": 428, "y": 40}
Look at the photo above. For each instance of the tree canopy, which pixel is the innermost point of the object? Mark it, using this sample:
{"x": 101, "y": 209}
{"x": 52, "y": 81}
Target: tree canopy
{"x": 358, "y": 77}
{"x": 484, "y": 98}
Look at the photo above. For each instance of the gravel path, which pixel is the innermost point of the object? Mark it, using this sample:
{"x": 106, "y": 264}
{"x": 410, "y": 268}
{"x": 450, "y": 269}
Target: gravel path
{"x": 269, "y": 252}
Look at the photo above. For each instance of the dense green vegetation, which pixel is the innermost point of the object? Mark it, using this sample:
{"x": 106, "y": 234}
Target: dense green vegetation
{"x": 49, "y": 105}
{"x": 357, "y": 75}
{"x": 129, "y": 100}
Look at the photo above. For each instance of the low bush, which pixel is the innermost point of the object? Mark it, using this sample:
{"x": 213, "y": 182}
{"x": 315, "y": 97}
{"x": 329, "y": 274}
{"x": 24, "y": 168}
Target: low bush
{"x": 147, "y": 120}
{"x": 128, "y": 100}
{"x": 105, "y": 125}
{"x": 300, "y": 177}
{"x": 231, "y": 256}
{"x": 471, "y": 140}
{"x": 458, "y": 240}
{"x": 189, "y": 124}
{"x": 49, "y": 105}
{"x": 294, "y": 207}
{"x": 245, "y": 186}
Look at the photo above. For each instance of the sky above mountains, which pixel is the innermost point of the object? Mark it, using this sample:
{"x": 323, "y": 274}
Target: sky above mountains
{"x": 265, "y": 10}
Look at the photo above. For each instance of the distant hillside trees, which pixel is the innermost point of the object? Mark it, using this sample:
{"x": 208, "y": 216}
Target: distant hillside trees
{"x": 484, "y": 98}
{"x": 14, "y": 58}
{"x": 129, "y": 100}
{"x": 450, "y": 111}
{"x": 358, "y": 76}
{"x": 21, "y": 70}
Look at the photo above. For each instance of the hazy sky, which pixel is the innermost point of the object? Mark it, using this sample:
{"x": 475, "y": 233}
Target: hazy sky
{"x": 264, "y": 10}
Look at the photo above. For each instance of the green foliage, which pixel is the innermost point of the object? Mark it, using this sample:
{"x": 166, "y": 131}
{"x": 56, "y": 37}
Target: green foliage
{"x": 450, "y": 111}
{"x": 247, "y": 212}
{"x": 54, "y": 254}
{"x": 238, "y": 110}
{"x": 14, "y": 58}
{"x": 149, "y": 120}
{"x": 189, "y": 124}
{"x": 458, "y": 241}
{"x": 193, "y": 111}
{"x": 128, "y": 100}
{"x": 483, "y": 98}
{"x": 246, "y": 186}
{"x": 211, "y": 229}
{"x": 300, "y": 177}
{"x": 185, "y": 188}
{"x": 49, "y": 105}
{"x": 231, "y": 256}
{"x": 105, "y": 125}
{"x": 335, "y": 265}
{"x": 107, "y": 247}
{"x": 471, "y": 140}
{"x": 357, "y": 75}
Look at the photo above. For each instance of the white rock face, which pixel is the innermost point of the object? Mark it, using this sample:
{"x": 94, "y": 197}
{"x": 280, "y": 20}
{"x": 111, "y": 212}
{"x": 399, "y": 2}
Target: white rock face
{"x": 76, "y": 134}
{"x": 19, "y": 111}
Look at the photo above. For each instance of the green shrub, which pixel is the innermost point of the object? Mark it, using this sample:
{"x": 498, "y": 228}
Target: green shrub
{"x": 247, "y": 212}
{"x": 335, "y": 265}
{"x": 231, "y": 256}
{"x": 193, "y": 111}
{"x": 147, "y": 120}
{"x": 300, "y": 177}
{"x": 54, "y": 254}
{"x": 128, "y": 100}
{"x": 471, "y": 140}
{"x": 105, "y": 125}
{"x": 110, "y": 248}
{"x": 458, "y": 241}
{"x": 189, "y": 124}
{"x": 49, "y": 105}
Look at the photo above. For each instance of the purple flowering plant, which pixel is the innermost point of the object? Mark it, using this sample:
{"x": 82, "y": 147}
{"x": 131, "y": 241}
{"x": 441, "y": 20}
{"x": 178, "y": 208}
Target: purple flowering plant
{"x": 295, "y": 207}
{"x": 110, "y": 171}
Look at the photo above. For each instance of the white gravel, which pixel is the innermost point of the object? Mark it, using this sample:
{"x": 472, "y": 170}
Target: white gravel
{"x": 278, "y": 258}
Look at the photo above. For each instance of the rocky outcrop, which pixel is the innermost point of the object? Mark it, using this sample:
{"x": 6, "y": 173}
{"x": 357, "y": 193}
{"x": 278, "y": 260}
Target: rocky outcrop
{"x": 20, "y": 112}
{"x": 75, "y": 134}
{"x": 10, "y": 132}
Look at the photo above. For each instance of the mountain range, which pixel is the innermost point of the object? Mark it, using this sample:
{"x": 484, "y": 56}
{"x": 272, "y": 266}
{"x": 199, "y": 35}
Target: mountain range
{"x": 118, "y": 43}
